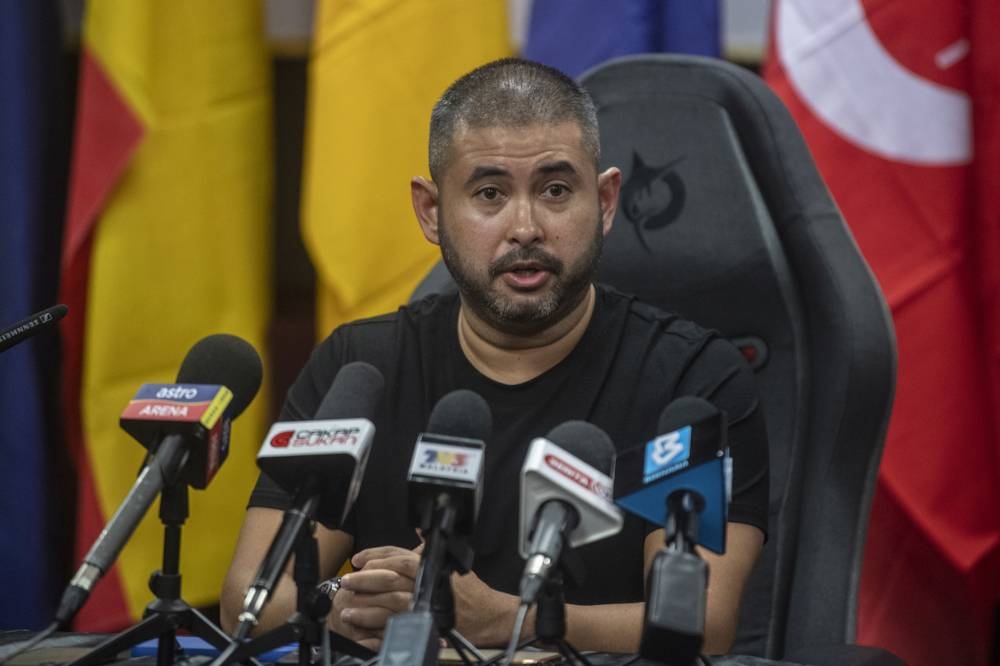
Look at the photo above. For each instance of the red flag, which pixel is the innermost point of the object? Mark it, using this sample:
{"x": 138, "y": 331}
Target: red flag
{"x": 898, "y": 102}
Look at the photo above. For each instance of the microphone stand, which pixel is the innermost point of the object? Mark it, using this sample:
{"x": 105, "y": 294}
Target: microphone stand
{"x": 168, "y": 612}
{"x": 412, "y": 637}
{"x": 306, "y": 625}
{"x": 674, "y": 628}
{"x": 443, "y": 610}
{"x": 550, "y": 609}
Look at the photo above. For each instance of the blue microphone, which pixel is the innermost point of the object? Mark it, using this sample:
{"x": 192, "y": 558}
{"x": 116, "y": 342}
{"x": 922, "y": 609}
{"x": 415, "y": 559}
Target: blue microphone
{"x": 678, "y": 480}
{"x": 689, "y": 462}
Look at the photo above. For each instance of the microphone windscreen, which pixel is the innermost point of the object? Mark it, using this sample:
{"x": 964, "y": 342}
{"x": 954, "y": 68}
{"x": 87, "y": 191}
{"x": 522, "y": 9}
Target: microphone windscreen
{"x": 354, "y": 394}
{"x": 684, "y": 411}
{"x": 585, "y": 441}
{"x": 461, "y": 413}
{"x": 226, "y": 360}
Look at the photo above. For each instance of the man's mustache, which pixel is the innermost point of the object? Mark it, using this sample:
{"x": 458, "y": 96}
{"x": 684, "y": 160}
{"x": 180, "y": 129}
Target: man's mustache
{"x": 537, "y": 256}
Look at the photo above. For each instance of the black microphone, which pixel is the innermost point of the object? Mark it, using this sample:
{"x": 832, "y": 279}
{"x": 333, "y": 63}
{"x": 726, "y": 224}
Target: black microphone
{"x": 566, "y": 487}
{"x": 30, "y": 326}
{"x": 186, "y": 430}
{"x": 679, "y": 480}
{"x": 321, "y": 464}
{"x": 445, "y": 486}
{"x": 446, "y": 469}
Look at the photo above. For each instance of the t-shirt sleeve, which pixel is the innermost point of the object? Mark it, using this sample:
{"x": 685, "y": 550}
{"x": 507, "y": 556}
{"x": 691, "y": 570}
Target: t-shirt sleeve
{"x": 301, "y": 403}
{"x": 720, "y": 374}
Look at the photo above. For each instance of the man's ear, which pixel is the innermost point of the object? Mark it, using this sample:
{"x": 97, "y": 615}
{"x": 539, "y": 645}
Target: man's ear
{"x": 424, "y": 194}
{"x": 609, "y": 183}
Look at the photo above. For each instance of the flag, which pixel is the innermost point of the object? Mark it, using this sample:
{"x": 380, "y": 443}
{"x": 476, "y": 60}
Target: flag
{"x": 167, "y": 240}
{"x": 29, "y": 48}
{"x": 376, "y": 69}
{"x": 898, "y": 102}
{"x": 575, "y": 35}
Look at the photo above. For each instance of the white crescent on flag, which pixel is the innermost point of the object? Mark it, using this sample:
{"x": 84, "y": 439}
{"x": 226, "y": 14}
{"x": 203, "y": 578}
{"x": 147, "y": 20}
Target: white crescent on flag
{"x": 840, "y": 69}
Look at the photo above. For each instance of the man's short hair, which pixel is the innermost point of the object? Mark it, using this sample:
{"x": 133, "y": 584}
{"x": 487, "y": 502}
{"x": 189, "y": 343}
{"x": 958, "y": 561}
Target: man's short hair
{"x": 510, "y": 92}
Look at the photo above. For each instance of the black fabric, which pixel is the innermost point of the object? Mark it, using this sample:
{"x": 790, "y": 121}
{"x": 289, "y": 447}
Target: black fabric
{"x": 844, "y": 655}
{"x": 694, "y": 235}
{"x": 724, "y": 219}
{"x": 632, "y": 360}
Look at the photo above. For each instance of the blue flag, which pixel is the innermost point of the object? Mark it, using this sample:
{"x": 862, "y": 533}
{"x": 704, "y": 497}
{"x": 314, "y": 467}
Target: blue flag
{"x": 575, "y": 35}
{"x": 29, "y": 50}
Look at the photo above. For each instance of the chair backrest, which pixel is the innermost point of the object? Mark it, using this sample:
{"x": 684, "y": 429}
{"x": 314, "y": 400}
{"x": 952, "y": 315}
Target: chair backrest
{"x": 724, "y": 219}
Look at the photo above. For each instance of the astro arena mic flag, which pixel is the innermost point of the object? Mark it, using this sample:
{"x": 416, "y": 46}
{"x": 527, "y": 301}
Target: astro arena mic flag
{"x": 899, "y": 103}
{"x": 167, "y": 239}
{"x": 185, "y": 426}
{"x": 190, "y": 410}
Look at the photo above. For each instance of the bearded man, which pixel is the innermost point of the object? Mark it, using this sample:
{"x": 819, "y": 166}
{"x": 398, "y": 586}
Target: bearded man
{"x": 519, "y": 209}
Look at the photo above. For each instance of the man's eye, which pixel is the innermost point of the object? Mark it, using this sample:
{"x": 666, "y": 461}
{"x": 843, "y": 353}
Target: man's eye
{"x": 489, "y": 193}
{"x": 556, "y": 190}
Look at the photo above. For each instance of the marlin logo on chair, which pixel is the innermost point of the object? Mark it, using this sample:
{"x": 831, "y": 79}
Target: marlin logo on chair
{"x": 653, "y": 196}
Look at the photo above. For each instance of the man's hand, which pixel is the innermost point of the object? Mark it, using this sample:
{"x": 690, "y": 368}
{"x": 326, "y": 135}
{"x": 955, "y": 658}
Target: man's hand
{"x": 381, "y": 587}
{"x": 484, "y": 615}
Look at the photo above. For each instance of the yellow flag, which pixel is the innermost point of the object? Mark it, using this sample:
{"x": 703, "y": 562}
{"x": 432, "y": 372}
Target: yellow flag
{"x": 181, "y": 248}
{"x": 377, "y": 68}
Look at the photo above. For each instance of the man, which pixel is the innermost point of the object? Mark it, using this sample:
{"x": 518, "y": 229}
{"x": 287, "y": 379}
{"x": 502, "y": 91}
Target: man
{"x": 520, "y": 212}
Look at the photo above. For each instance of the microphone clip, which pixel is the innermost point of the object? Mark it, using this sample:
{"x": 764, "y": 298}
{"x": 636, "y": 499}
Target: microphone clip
{"x": 683, "y": 510}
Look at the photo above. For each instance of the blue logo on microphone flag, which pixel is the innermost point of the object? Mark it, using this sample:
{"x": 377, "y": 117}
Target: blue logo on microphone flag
{"x": 29, "y": 49}
{"x": 575, "y": 35}
{"x": 667, "y": 453}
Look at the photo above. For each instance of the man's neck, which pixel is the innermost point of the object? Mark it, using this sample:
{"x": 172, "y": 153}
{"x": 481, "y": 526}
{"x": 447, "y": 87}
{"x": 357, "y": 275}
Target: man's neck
{"x": 514, "y": 359}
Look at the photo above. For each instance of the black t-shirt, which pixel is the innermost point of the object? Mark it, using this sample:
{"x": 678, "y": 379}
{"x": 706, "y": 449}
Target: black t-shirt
{"x": 630, "y": 363}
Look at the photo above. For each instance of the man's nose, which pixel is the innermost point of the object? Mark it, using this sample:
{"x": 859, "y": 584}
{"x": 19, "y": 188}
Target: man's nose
{"x": 525, "y": 225}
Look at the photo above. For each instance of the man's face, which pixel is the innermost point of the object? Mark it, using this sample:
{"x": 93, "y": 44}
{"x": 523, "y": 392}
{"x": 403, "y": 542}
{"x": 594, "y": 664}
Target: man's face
{"x": 521, "y": 217}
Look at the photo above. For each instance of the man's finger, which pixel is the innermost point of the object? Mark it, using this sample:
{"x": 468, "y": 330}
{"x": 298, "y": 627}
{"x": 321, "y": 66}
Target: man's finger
{"x": 401, "y": 564}
{"x": 366, "y": 618}
{"x": 396, "y": 602}
{"x": 377, "y": 581}
{"x": 379, "y": 552}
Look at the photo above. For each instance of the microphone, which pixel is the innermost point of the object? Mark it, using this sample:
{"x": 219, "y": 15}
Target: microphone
{"x": 689, "y": 463}
{"x": 679, "y": 479}
{"x": 186, "y": 428}
{"x": 30, "y": 326}
{"x": 445, "y": 486}
{"x": 565, "y": 498}
{"x": 321, "y": 464}
{"x": 446, "y": 470}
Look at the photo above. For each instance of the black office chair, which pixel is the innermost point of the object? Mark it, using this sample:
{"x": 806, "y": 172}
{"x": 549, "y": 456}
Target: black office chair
{"x": 724, "y": 219}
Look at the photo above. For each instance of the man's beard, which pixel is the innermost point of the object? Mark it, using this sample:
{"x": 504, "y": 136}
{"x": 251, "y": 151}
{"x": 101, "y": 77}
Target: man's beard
{"x": 528, "y": 314}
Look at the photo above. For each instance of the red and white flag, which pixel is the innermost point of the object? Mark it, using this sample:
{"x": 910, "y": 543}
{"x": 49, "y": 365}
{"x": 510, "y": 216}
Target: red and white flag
{"x": 899, "y": 101}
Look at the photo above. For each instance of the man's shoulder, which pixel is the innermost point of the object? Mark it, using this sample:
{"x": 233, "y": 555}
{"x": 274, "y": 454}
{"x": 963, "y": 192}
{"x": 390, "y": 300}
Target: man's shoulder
{"x": 639, "y": 314}
{"x": 381, "y": 341}
{"x": 412, "y": 314}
